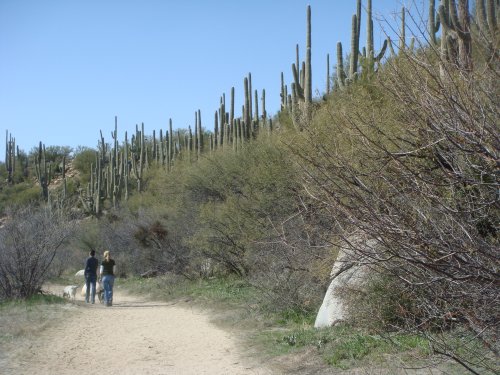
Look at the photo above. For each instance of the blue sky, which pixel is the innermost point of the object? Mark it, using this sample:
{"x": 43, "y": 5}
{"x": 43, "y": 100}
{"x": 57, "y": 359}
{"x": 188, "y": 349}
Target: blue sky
{"x": 67, "y": 67}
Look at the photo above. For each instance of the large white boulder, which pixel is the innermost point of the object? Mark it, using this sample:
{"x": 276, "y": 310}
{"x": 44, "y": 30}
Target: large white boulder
{"x": 349, "y": 271}
{"x": 80, "y": 273}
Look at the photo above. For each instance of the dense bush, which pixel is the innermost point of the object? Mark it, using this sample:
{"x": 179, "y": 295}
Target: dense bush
{"x": 29, "y": 242}
{"x": 410, "y": 159}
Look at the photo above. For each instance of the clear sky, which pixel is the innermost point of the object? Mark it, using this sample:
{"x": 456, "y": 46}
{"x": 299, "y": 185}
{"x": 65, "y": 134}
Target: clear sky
{"x": 67, "y": 67}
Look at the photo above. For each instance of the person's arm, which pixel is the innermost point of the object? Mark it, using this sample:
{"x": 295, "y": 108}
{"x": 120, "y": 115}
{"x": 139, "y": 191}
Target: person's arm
{"x": 101, "y": 268}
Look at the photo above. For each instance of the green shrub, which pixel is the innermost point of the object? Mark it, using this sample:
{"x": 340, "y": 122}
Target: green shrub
{"x": 20, "y": 194}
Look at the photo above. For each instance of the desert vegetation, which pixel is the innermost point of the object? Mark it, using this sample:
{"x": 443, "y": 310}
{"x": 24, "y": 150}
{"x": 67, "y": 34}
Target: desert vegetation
{"x": 401, "y": 153}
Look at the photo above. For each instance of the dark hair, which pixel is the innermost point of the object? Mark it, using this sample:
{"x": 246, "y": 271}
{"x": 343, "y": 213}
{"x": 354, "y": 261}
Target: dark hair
{"x": 92, "y": 253}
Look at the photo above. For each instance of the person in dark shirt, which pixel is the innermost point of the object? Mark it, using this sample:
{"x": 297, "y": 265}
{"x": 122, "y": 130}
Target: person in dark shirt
{"x": 91, "y": 265}
{"x": 108, "y": 271}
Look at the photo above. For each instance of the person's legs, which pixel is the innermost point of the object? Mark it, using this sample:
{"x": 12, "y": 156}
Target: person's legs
{"x": 107, "y": 283}
{"x": 87, "y": 285}
{"x": 111, "y": 283}
{"x": 92, "y": 285}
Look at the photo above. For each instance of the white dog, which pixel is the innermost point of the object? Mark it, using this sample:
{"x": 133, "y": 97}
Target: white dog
{"x": 98, "y": 290}
{"x": 70, "y": 291}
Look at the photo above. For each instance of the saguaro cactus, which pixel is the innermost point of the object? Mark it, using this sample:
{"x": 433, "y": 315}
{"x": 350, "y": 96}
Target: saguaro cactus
{"x": 42, "y": 172}
{"x": 126, "y": 166}
{"x": 216, "y": 131}
{"x": 433, "y": 22}
{"x": 402, "y": 30}
{"x": 340, "y": 66}
{"x": 231, "y": 114}
{"x": 65, "y": 185}
{"x": 246, "y": 108}
{"x": 256, "y": 114}
{"x": 282, "y": 93}
{"x": 297, "y": 89}
{"x": 10, "y": 156}
{"x": 371, "y": 58}
{"x": 139, "y": 156}
{"x": 456, "y": 31}
{"x": 353, "y": 63}
{"x": 170, "y": 145}
{"x": 264, "y": 113}
{"x": 200, "y": 134}
{"x": 486, "y": 19}
{"x": 308, "y": 70}
{"x": 355, "y": 35}
{"x": 250, "y": 104}
{"x": 327, "y": 73}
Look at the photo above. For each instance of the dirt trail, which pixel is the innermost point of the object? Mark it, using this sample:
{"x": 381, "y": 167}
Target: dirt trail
{"x": 134, "y": 336}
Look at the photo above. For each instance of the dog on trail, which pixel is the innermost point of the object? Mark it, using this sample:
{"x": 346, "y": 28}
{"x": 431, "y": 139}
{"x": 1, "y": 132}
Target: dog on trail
{"x": 70, "y": 291}
{"x": 99, "y": 291}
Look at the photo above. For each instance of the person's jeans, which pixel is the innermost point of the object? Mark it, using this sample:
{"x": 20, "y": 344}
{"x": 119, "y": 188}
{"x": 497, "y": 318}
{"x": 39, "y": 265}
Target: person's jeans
{"x": 90, "y": 281}
{"x": 107, "y": 284}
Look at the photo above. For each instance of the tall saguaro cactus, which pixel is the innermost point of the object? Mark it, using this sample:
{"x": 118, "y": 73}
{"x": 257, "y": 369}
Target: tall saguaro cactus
{"x": 42, "y": 172}
{"x": 327, "y": 73}
{"x": 491, "y": 15}
{"x": 355, "y": 35}
{"x": 10, "y": 156}
{"x": 264, "y": 113}
{"x": 139, "y": 156}
{"x": 433, "y": 23}
{"x": 308, "y": 70}
{"x": 486, "y": 20}
{"x": 372, "y": 58}
{"x": 199, "y": 145}
{"x": 231, "y": 114}
{"x": 456, "y": 31}
{"x": 340, "y": 80}
{"x": 170, "y": 145}
{"x": 126, "y": 167}
{"x": 246, "y": 108}
{"x": 402, "y": 36}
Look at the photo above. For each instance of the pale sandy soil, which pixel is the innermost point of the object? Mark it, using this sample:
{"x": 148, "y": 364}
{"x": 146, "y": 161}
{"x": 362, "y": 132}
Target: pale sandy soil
{"x": 134, "y": 336}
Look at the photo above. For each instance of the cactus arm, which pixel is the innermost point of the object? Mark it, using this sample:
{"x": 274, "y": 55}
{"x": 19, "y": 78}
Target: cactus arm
{"x": 382, "y": 52}
{"x": 298, "y": 87}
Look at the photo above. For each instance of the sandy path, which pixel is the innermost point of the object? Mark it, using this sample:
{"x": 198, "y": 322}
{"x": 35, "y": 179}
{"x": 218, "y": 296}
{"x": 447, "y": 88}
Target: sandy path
{"x": 134, "y": 337}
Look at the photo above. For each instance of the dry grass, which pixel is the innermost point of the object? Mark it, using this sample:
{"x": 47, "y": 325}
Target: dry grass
{"x": 21, "y": 321}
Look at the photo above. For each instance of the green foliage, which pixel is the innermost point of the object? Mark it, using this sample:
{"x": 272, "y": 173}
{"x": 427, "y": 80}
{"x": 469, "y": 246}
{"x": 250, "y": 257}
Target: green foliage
{"x": 20, "y": 194}
{"x": 355, "y": 347}
{"x": 214, "y": 291}
{"x": 296, "y": 316}
{"x": 54, "y": 156}
{"x": 239, "y": 194}
{"x": 343, "y": 346}
{"x": 82, "y": 160}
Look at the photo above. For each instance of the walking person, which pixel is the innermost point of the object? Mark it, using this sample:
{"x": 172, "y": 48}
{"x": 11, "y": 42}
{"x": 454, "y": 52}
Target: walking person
{"x": 91, "y": 265}
{"x": 108, "y": 271}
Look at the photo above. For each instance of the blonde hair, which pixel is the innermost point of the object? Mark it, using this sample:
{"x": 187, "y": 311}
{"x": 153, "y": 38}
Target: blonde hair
{"x": 106, "y": 255}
